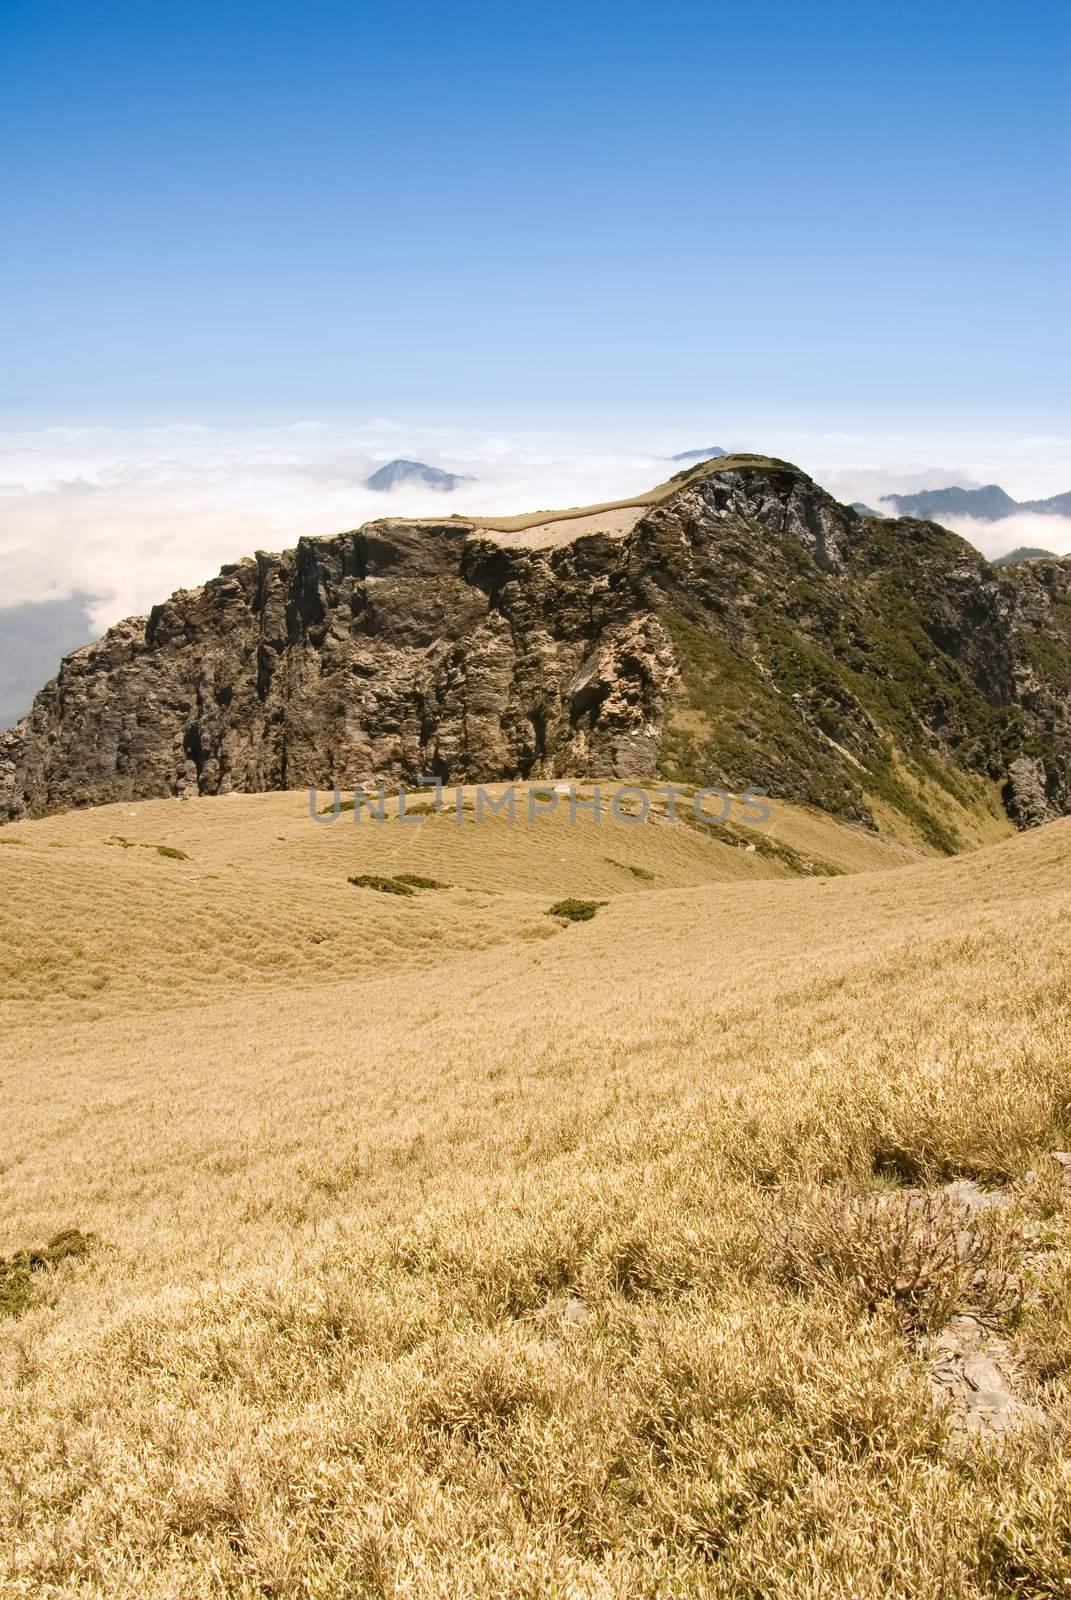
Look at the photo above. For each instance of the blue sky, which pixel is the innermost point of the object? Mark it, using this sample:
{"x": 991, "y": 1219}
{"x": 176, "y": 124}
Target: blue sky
{"x": 478, "y": 212}
{"x": 252, "y": 251}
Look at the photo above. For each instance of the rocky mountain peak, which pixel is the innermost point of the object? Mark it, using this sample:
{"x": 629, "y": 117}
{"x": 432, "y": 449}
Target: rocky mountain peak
{"x": 734, "y": 626}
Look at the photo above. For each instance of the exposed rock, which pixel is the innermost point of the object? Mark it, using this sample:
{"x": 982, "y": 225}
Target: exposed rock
{"x": 1026, "y": 792}
{"x": 970, "y": 1195}
{"x": 972, "y": 1369}
{"x": 746, "y": 630}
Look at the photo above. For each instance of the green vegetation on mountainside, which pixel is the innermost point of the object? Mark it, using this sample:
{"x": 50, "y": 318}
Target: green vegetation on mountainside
{"x": 808, "y": 676}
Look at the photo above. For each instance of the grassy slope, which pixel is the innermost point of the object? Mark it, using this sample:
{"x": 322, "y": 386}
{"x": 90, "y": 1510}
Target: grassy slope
{"x": 96, "y": 918}
{"x": 462, "y": 1286}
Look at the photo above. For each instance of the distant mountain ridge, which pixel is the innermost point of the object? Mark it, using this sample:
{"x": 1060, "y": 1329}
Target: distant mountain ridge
{"x": 1024, "y": 552}
{"x": 401, "y": 471}
{"x": 711, "y": 453}
{"x": 1057, "y": 505}
{"x": 990, "y": 503}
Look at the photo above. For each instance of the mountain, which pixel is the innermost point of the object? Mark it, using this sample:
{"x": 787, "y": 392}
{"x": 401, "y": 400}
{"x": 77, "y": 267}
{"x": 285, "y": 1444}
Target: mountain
{"x": 1057, "y": 505}
{"x": 1023, "y": 552}
{"x": 988, "y": 504}
{"x": 864, "y": 510}
{"x": 400, "y": 471}
{"x": 709, "y": 454}
{"x": 34, "y": 639}
{"x": 735, "y": 626}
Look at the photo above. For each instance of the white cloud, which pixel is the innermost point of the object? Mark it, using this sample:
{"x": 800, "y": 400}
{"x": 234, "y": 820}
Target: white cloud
{"x": 1021, "y": 528}
{"x": 129, "y": 515}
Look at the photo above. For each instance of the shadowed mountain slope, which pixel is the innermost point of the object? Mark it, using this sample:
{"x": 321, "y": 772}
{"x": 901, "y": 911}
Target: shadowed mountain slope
{"x": 33, "y": 640}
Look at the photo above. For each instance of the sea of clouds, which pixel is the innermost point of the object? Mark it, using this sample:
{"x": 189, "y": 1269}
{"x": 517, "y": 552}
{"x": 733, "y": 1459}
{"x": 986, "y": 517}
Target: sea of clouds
{"x": 128, "y": 515}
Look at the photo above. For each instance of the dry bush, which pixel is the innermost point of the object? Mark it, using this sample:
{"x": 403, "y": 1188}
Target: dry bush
{"x": 375, "y": 880}
{"x": 19, "y": 1287}
{"x": 917, "y": 1254}
{"x": 573, "y": 910}
{"x": 482, "y": 1387}
{"x": 1044, "y": 1337}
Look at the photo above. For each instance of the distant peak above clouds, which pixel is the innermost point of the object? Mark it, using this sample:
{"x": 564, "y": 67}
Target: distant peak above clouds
{"x": 708, "y": 454}
{"x": 400, "y": 471}
{"x": 1024, "y": 552}
{"x": 990, "y": 503}
{"x": 1057, "y": 505}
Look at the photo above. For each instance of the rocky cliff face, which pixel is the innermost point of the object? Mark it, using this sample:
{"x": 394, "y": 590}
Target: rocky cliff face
{"x": 745, "y": 628}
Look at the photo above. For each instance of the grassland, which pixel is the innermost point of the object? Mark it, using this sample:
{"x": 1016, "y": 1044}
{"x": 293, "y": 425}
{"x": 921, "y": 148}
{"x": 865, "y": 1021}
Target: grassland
{"x": 435, "y": 1246}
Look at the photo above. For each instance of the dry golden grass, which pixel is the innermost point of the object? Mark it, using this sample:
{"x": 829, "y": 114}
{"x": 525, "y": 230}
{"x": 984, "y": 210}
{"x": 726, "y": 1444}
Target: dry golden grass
{"x": 615, "y": 523}
{"x": 440, "y": 1248}
{"x": 95, "y": 914}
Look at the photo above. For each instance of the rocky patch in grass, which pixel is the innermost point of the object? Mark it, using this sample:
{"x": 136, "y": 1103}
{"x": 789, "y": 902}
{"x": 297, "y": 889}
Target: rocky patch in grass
{"x": 974, "y": 1371}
